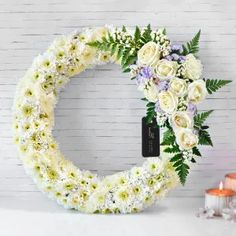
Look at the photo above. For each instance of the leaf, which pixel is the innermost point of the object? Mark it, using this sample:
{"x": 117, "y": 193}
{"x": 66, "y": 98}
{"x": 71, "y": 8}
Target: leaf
{"x": 196, "y": 152}
{"x": 213, "y": 85}
{"x": 146, "y": 36}
{"x": 181, "y": 167}
{"x": 127, "y": 70}
{"x": 130, "y": 60}
{"x": 150, "y": 104}
{"x": 172, "y": 149}
{"x": 144, "y": 99}
{"x": 200, "y": 118}
{"x": 205, "y": 138}
{"x": 137, "y": 34}
{"x": 124, "y": 29}
{"x": 176, "y": 157}
{"x": 182, "y": 171}
{"x": 168, "y": 137}
{"x": 193, "y": 45}
{"x": 150, "y": 118}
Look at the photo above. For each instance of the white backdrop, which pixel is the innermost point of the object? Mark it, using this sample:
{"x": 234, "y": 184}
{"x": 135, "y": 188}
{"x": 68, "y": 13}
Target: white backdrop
{"x": 98, "y": 118}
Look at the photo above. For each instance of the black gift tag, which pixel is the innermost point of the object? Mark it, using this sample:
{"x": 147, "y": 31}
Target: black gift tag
{"x": 150, "y": 139}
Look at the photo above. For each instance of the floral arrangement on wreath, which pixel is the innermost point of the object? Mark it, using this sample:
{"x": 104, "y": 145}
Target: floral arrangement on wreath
{"x": 170, "y": 78}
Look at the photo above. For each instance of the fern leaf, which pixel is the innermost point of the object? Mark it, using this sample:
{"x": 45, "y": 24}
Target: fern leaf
{"x": 137, "y": 34}
{"x": 146, "y": 36}
{"x": 200, "y": 118}
{"x": 168, "y": 138}
{"x": 196, "y": 152}
{"x": 193, "y": 45}
{"x": 213, "y": 85}
{"x": 204, "y": 138}
{"x": 180, "y": 166}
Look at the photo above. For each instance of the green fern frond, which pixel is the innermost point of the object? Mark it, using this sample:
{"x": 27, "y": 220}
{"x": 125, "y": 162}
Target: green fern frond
{"x": 193, "y": 45}
{"x": 200, "y": 118}
{"x": 213, "y": 85}
{"x": 180, "y": 166}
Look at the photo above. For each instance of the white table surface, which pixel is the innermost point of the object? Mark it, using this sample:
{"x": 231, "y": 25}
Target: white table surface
{"x": 172, "y": 216}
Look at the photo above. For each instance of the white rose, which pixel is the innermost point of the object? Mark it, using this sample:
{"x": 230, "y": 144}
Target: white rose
{"x": 193, "y": 67}
{"x": 182, "y": 119}
{"x": 166, "y": 69}
{"x": 178, "y": 87}
{"x": 197, "y": 91}
{"x": 149, "y": 54}
{"x": 168, "y": 101}
{"x": 186, "y": 139}
{"x": 151, "y": 92}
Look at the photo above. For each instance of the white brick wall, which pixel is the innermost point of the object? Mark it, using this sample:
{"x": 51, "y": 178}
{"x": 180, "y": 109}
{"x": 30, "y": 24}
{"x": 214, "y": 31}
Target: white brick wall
{"x": 98, "y": 118}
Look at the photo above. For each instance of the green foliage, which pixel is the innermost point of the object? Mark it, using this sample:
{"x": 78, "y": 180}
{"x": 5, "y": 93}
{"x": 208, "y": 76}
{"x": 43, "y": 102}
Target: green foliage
{"x": 121, "y": 50}
{"x": 204, "y": 138}
{"x": 168, "y": 137}
{"x": 196, "y": 152}
{"x": 146, "y": 35}
{"x": 137, "y": 34}
{"x": 144, "y": 99}
{"x": 193, "y": 45}
{"x": 151, "y": 113}
{"x": 200, "y": 118}
{"x": 213, "y": 85}
{"x": 172, "y": 149}
{"x": 180, "y": 166}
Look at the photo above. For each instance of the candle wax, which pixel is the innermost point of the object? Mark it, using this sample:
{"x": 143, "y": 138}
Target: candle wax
{"x": 221, "y": 192}
{"x": 231, "y": 175}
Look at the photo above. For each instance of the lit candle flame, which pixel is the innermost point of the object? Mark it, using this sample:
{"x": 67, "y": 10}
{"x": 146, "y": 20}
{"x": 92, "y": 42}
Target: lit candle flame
{"x": 221, "y": 185}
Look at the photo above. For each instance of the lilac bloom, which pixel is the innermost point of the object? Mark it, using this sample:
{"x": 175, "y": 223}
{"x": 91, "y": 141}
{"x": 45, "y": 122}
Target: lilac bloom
{"x": 163, "y": 85}
{"x": 177, "y": 48}
{"x": 141, "y": 80}
{"x": 192, "y": 108}
{"x": 182, "y": 59}
{"x": 169, "y": 58}
{"x": 144, "y": 75}
{"x": 146, "y": 72}
{"x": 175, "y": 56}
{"x": 158, "y": 108}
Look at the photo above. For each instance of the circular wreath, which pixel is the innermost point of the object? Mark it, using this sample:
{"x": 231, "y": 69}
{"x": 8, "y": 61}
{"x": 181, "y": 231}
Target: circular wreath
{"x": 169, "y": 76}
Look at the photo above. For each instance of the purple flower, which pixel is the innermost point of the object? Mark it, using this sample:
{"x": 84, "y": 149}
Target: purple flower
{"x": 175, "y": 56}
{"x": 177, "y": 48}
{"x": 141, "y": 80}
{"x": 158, "y": 108}
{"x": 182, "y": 59}
{"x": 192, "y": 108}
{"x": 169, "y": 58}
{"x": 146, "y": 72}
{"x": 144, "y": 75}
{"x": 163, "y": 85}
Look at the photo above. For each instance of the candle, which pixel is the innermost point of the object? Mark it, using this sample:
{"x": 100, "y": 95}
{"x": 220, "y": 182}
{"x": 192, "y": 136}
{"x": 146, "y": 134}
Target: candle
{"x": 230, "y": 181}
{"x": 218, "y": 198}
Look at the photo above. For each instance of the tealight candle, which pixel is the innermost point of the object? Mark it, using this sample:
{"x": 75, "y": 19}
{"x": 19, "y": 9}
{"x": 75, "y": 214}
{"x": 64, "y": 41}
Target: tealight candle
{"x": 230, "y": 181}
{"x": 218, "y": 198}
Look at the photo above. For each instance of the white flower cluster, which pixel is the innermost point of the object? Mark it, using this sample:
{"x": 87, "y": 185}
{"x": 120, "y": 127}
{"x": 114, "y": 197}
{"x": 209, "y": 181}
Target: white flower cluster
{"x": 36, "y": 97}
{"x": 173, "y": 83}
